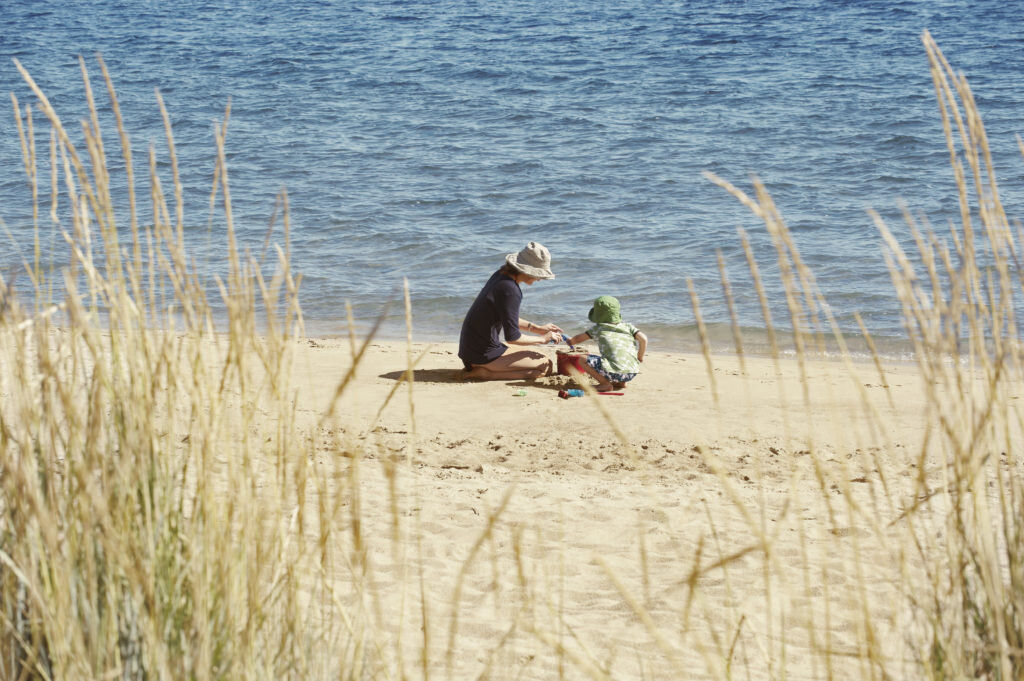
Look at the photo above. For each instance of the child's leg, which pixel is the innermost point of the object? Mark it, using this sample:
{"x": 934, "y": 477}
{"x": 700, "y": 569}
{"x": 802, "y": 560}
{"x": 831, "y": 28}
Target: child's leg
{"x": 619, "y": 381}
{"x": 603, "y": 384}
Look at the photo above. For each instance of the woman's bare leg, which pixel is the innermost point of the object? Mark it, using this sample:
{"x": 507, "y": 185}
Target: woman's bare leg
{"x": 520, "y": 364}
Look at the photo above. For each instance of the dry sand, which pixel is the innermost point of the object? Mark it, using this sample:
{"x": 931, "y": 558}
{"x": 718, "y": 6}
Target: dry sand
{"x": 695, "y": 523}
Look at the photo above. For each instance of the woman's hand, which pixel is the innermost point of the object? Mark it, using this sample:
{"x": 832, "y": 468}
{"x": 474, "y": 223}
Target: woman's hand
{"x": 545, "y": 336}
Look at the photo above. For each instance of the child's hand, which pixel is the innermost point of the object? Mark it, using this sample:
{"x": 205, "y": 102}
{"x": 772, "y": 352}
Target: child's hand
{"x": 640, "y": 358}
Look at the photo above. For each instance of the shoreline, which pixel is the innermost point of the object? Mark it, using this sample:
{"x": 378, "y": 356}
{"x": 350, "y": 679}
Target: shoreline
{"x": 904, "y": 356}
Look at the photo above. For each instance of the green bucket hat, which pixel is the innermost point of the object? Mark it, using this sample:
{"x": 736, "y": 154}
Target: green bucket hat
{"x": 605, "y": 310}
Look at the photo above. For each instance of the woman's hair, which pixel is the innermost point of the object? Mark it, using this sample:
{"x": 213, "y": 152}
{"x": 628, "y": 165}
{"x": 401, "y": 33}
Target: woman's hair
{"x": 509, "y": 270}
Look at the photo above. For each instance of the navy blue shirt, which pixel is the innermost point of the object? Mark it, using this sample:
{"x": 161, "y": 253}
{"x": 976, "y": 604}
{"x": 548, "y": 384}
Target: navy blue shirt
{"x": 495, "y": 309}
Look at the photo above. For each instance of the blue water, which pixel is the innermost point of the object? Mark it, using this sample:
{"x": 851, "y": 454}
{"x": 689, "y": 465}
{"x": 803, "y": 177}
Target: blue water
{"x": 425, "y": 140}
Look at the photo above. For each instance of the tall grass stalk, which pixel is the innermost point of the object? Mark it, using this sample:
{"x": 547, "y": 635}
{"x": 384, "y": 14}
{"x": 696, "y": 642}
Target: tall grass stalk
{"x": 153, "y": 520}
{"x": 956, "y": 532}
{"x": 961, "y": 316}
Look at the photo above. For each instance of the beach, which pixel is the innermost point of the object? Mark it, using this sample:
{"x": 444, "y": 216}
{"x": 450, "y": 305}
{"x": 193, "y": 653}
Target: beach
{"x": 665, "y": 531}
{"x": 217, "y": 462}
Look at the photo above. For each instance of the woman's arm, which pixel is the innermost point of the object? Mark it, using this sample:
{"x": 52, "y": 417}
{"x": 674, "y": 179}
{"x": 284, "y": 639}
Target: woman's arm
{"x": 549, "y": 333}
{"x": 549, "y": 337}
{"x": 538, "y": 328}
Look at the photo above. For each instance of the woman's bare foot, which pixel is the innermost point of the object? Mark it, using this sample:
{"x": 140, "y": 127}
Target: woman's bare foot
{"x": 617, "y": 385}
{"x": 603, "y": 387}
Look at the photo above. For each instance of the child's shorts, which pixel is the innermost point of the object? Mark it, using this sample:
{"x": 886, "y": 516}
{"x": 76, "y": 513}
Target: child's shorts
{"x": 595, "y": 362}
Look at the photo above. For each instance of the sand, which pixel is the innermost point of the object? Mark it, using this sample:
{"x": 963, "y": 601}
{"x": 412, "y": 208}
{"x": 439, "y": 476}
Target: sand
{"x": 704, "y": 520}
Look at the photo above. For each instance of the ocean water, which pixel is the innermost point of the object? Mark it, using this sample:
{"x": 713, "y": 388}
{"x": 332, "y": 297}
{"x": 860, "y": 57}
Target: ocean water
{"x": 424, "y": 140}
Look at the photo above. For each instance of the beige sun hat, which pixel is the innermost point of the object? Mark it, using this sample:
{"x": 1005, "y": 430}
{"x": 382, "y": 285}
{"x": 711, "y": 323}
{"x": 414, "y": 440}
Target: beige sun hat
{"x": 534, "y": 260}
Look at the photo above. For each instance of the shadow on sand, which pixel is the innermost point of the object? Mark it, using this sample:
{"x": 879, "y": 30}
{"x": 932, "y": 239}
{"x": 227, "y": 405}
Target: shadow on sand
{"x": 430, "y": 375}
{"x": 459, "y": 376}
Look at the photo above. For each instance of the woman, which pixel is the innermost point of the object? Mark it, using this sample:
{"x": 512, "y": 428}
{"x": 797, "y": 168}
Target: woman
{"x": 496, "y": 311}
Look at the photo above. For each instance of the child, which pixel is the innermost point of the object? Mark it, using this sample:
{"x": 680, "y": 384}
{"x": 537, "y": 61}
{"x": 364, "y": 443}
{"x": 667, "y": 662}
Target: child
{"x": 622, "y": 346}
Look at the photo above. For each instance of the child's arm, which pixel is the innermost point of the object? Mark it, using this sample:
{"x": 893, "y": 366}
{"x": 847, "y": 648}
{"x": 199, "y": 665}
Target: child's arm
{"x": 579, "y": 338}
{"x": 641, "y": 339}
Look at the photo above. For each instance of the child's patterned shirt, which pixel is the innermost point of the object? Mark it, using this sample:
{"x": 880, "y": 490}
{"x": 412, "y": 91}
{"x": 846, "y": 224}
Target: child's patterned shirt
{"x": 617, "y": 346}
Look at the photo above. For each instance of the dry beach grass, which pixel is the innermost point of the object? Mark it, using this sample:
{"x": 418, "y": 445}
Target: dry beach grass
{"x": 189, "y": 497}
